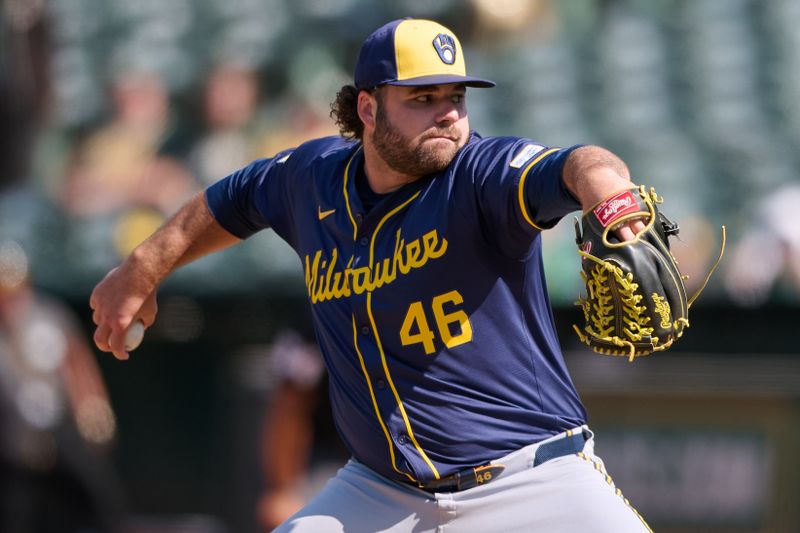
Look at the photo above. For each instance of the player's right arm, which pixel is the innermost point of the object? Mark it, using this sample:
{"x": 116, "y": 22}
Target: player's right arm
{"x": 128, "y": 291}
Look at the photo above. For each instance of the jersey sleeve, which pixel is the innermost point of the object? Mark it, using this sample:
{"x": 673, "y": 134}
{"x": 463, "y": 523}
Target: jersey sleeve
{"x": 519, "y": 190}
{"x": 252, "y": 198}
{"x": 543, "y": 196}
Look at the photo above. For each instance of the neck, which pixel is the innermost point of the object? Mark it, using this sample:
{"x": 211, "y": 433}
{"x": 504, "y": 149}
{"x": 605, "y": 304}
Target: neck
{"x": 381, "y": 177}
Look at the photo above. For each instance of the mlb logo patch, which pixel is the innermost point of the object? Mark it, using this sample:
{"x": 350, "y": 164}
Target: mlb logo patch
{"x": 445, "y": 46}
{"x": 525, "y": 155}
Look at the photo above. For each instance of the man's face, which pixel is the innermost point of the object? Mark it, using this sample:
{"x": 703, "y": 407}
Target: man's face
{"x": 419, "y": 130}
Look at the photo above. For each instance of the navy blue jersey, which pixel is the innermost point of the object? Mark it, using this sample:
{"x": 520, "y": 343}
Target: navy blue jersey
{"x": 431, "y": 308}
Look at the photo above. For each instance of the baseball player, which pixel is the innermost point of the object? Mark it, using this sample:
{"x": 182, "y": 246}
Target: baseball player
{"x": 421, "y": 244}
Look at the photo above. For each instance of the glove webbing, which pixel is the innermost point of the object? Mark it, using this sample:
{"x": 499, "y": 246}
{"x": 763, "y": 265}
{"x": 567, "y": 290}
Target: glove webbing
{"x": 635, "y": 318}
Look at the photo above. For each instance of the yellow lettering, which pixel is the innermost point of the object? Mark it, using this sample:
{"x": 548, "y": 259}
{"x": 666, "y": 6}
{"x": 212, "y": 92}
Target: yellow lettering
{"x": 325, "y": 282}
{"x": 338, "y": 290}
{"x": 361, "y": 279}
{"x": 328, "y": 292}
{"x": 319, "y": 290}
{"x": 348, "y": 275}
{"x": 430, "y": 239}
{"x": 397, "y": 255}
{"x": 444, "y": 320}
{"x": 416, "y": 316}
{"x": 311, "y": 275}
{"x": 413, "y": 250}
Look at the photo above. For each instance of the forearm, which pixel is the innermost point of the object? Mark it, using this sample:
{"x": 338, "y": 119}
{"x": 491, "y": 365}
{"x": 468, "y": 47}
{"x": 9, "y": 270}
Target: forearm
{"x": 190, "y": 234}
{"x": 128, "y": 291}
{"x": 592, "y": 173}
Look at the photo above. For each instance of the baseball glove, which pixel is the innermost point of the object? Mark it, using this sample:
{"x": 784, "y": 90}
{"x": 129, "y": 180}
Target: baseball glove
{"x": 636, "y": 301}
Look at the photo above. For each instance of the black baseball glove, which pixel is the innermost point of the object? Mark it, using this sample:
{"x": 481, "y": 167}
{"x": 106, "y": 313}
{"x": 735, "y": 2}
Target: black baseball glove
{"x": 636, "y": 302}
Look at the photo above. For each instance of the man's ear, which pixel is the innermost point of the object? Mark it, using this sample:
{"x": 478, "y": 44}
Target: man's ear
{"x": 367, "y": 108}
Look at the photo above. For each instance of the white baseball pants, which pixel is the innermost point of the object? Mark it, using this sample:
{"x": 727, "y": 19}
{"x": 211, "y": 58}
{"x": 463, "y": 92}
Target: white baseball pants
{"x": 568, "y": 494}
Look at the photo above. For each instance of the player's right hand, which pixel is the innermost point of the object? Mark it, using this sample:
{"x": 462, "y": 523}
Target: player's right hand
{"x": 119, "y": 299}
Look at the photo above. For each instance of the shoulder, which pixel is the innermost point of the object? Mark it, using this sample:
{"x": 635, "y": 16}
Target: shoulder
{"x": 323, "y": 151}
{"x": 479, "y": 147}
{"x": 486, "y": 153}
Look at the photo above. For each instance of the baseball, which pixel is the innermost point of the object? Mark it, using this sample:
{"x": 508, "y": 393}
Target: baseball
{"x": 134, "y": 335}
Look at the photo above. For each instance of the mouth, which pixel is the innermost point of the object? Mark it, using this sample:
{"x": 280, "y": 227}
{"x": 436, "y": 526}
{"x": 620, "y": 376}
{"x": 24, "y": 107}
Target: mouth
{"x": 441, "y": 137}
{"x": 449, "y": 134}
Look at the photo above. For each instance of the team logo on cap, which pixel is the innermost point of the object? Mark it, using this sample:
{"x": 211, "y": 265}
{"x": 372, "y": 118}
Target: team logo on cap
{"x": 446, "y": 48}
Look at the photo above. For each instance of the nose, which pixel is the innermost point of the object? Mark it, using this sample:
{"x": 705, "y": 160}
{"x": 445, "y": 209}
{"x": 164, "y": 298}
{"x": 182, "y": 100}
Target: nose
{"x": 448, "y": 114}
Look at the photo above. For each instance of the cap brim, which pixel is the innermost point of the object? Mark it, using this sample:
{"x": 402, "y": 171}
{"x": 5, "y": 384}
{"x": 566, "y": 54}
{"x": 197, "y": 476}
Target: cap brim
{"x": 442, "y": 79}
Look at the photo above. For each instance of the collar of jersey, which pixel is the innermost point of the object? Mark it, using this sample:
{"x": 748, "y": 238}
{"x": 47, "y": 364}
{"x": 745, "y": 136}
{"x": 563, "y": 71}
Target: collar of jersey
{"x": 353, "y": 201}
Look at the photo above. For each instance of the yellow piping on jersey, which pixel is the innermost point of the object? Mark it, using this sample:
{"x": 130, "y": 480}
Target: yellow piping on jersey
{"x": 521, "y": 191}
{"x": 380, "y": 345}
{"x": 347, "y": 196}
{"x": 394, "y": 389}
{"x": 384, "y": 219}
{"x": 375, "y": 403}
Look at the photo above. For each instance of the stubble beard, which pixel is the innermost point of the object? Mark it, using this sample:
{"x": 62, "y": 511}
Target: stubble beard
{"x": 398, "y": 151}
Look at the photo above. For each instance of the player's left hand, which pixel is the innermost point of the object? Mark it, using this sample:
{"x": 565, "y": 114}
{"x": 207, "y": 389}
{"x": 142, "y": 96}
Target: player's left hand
{"x": 629, "y": 230}
{"x": 636, "y": 302}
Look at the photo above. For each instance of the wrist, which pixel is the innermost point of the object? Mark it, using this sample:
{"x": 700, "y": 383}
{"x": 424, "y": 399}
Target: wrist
{"x": 141, "y": 270}
{"x": 592, "y": 174}
{"x": 599, "y": 185}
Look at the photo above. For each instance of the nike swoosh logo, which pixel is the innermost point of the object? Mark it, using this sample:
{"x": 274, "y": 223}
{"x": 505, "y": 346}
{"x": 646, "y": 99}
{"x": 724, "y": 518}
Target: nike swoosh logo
{"x": 323, "y": 214}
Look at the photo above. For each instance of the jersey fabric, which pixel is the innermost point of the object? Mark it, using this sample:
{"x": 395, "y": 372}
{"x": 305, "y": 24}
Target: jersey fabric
{"x": 431, "y": 308}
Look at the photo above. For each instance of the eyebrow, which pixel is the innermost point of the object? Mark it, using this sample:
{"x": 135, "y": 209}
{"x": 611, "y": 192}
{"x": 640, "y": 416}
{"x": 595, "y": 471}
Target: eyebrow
{"x": 432, "y": 88}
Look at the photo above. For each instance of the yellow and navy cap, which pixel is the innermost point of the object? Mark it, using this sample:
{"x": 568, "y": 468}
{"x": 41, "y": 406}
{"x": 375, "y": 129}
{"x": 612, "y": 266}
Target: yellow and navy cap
{"x": 413, "y": 52}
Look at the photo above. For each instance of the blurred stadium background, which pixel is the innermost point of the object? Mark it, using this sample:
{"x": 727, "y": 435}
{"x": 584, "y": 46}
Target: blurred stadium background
{"x": 115, "y": 111}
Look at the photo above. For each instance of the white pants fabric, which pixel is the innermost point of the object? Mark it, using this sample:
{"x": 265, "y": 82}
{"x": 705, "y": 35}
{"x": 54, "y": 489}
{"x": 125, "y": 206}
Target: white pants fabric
{"x": 572, "y": 493}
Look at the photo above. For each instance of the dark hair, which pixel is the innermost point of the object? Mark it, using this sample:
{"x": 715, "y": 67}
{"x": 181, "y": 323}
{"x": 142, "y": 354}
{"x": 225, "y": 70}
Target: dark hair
{"x": 344, "y": 111}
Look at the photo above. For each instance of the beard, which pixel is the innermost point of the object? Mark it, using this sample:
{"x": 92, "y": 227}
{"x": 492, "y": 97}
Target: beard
{"x": 400, "y": 153}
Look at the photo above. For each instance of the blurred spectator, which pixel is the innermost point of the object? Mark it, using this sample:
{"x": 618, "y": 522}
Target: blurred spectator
{"x": 294, "y": 121}
{"x": 123, "y": 164}
{"x": 56, "y": 422}
{"x": 23, "y": 84}
{"x": 288, "y": 428}
{"x": 229, "y": 104}
{"x": 237, "y": 131}
{"x": 124, "y": 178}
{"x": 768, "y": 251}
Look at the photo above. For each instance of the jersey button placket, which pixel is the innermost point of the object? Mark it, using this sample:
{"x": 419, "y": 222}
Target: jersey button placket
{"x": 372, "y": 359}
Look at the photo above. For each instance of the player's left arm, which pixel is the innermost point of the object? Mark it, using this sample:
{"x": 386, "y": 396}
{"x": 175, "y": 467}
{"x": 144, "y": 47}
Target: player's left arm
{"x": 592, "y": 174}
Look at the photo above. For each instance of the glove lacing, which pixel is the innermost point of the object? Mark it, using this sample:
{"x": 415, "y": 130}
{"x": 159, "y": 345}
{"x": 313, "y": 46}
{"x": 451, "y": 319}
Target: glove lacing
{"x": 633, "y": 315}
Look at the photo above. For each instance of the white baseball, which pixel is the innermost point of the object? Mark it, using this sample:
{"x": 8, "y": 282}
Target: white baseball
{"x": 134, "y": 335}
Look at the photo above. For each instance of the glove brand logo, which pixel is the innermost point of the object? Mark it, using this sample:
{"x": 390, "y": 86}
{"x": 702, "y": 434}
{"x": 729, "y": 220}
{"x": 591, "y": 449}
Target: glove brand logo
{"x": 325, "y": 281}
{"x": 622, "y": 204}
{"x": 445, "y": 46}
{"x": 662, "y": 308}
